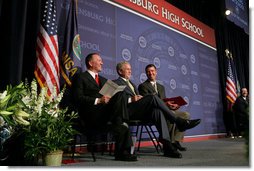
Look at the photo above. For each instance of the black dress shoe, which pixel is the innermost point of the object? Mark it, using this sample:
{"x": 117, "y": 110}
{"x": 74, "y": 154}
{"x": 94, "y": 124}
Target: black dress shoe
{"x": 179, "y": 147}
{"x": 170, "y": 150}
{"x": 183, "y": 124}
{"x": 173, "y": 154}
{"x": 126, "y": 157}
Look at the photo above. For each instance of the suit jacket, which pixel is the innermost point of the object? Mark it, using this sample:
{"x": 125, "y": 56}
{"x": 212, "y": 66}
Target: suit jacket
{"x": 127, "y": 90}
{"x": 85, "y": 91}
{"x": 241, "y": 106}
{"x": 147, "y": 88}
{"x": 96, "y": 117}
{"x": 128, "y": 93}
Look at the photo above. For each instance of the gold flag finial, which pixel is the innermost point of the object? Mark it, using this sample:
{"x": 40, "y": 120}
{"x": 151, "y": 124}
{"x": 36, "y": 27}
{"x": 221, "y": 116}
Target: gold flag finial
{"x": 228, "y": 54}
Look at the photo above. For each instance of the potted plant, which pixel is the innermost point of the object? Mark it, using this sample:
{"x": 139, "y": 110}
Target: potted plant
{"x": 47, "y": 128}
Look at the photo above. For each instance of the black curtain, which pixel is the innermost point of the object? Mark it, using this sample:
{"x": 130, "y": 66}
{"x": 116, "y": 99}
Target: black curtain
{"x": 19, "y": 21}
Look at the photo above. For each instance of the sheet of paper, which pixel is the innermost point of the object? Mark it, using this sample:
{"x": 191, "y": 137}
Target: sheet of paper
{"x": 110, "y": 88}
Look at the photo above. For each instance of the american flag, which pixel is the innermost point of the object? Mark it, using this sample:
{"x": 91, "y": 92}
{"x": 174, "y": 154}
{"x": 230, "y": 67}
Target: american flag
{"x": 231, "y": 93}
{"x": 47, "y": 66}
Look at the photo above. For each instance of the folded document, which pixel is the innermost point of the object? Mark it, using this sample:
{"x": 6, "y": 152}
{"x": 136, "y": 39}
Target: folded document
{"x": 176, "y": 100}
{"x": 110, "y": 88}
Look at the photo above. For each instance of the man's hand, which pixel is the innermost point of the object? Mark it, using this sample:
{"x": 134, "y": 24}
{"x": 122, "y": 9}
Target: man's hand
{"x": 172, "y": 105}
{"x": 136, "y": 98}
{"x": 104, "y": 99}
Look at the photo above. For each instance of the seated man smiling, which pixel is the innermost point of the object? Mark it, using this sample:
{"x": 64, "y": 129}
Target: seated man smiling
{"x": 151, "y": 108}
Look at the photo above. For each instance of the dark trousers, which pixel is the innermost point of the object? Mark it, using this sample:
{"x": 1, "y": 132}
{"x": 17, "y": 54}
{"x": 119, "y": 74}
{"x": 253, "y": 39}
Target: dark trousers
{"x": 123, "y": 140}
{"x": 98, "y": 116}
{"x": 152, "y": 108}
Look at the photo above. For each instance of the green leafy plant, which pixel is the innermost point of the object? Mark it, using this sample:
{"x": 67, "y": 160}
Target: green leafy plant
{"x": 12, "y": 114}
{"x": 45, "y": 126}
{"x": 12, "y": 107}
{"x": 50, "y": 127}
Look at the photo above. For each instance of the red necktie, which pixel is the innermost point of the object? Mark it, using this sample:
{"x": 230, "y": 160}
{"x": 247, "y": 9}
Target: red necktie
{"x": 97, "y": 79}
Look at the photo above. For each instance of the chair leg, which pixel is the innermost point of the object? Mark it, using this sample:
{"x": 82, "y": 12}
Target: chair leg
{"x": 91, "y": 147}
{"x": 140, "y": 136}
{"x": 157, "y": 140}
{"x": 73, "y": 147}
{"x": 152, "y": 138}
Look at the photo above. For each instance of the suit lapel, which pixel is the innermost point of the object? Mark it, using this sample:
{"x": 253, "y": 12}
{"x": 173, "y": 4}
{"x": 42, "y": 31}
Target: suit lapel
{"x": 128, "y": 89}
{"x": 91, "y": 79}
{"x": 160, "y": 90}
{"x": 135, "y": 88}
{"x": 150, "y": 86}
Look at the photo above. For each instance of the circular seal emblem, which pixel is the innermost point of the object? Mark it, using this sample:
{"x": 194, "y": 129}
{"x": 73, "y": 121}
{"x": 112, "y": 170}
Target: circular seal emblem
{"x": 171, "y": 51}
{"x": 126, "y": 54}
{"x": 184, "y": 69}
{"x": 76, "y": 46}
{"x": 187, "y": 100}
{"x": 142, "y": 77}
{"x": 173, "y": 84}
{"x": 195, "y": 88}
{"x": 193, "y": 59}
{"x": 157, "y": 62}
{"x": 142, "y": 41}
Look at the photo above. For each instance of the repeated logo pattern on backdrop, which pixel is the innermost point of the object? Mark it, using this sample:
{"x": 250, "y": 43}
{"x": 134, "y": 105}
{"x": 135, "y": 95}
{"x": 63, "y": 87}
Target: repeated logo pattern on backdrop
{"x": 185, "y": 66}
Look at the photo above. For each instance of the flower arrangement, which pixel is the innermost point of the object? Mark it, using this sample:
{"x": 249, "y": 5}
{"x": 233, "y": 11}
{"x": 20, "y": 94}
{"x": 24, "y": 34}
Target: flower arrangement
{"x": 12, "y": 116}
{"x": 46, "y": 127}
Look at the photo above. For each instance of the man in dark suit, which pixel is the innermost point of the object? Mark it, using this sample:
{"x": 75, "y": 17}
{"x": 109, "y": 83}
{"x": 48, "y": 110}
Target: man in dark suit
{"x": 241, "y": 113}
{"x": 151, "y": 108}
{"x": 96, "y": 110}
{"x": 151, "y": 86}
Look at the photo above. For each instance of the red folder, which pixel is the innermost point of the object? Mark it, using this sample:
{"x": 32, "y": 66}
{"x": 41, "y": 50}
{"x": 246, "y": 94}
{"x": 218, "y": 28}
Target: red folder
{"x": 176, "y": 100}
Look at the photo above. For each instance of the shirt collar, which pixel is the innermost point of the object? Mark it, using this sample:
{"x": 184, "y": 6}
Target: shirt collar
{"x": 153, "y": 82}
{"x": 92, "y": 73}
{"x": 124, "y": 79}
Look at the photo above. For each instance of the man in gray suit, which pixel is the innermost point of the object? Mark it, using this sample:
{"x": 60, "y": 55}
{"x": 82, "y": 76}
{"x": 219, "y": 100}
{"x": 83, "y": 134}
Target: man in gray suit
{"x": 151, "y": 86}
{"x": 151, "y": 108}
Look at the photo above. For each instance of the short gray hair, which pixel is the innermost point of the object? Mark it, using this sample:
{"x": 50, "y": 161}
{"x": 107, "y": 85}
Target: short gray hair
{"x": 119, "y": 66}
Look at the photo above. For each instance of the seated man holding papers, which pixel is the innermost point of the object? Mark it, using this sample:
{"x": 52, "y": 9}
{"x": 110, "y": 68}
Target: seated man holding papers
{"x": 96, "y": 110}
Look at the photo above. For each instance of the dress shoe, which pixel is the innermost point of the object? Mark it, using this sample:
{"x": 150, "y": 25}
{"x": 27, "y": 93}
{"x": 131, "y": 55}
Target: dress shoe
{"x": 179, "y": 147}
{"x": 183, "y": 124}
{"x": 170, "y": 150}
{"x": 126, "y": 157}
{"x": 173, "y": 154}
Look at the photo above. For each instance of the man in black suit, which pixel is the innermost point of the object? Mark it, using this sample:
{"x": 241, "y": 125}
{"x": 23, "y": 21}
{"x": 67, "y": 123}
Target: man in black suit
{"x": 241, "y": 112}
{"x": 96, "y": 110}
{"x": 151, "y": 86}
{"x": 152, "y": 108}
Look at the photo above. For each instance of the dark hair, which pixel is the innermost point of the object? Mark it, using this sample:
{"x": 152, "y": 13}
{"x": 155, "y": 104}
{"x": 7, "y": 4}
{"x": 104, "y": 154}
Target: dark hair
{"x": 149, "y": 66}
{"x": 89, "y": 58}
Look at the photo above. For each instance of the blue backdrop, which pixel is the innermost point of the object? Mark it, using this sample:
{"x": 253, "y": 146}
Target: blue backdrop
{"x": 185, "y": 66}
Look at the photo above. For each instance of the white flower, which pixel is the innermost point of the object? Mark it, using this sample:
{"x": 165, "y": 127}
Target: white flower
{"x": 41, "y": 100}
{"x": 3, "y": 95}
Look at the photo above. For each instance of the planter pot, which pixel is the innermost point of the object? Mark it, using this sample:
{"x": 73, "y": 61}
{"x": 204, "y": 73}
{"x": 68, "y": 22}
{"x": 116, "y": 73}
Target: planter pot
{"x": 54, "y": 158}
